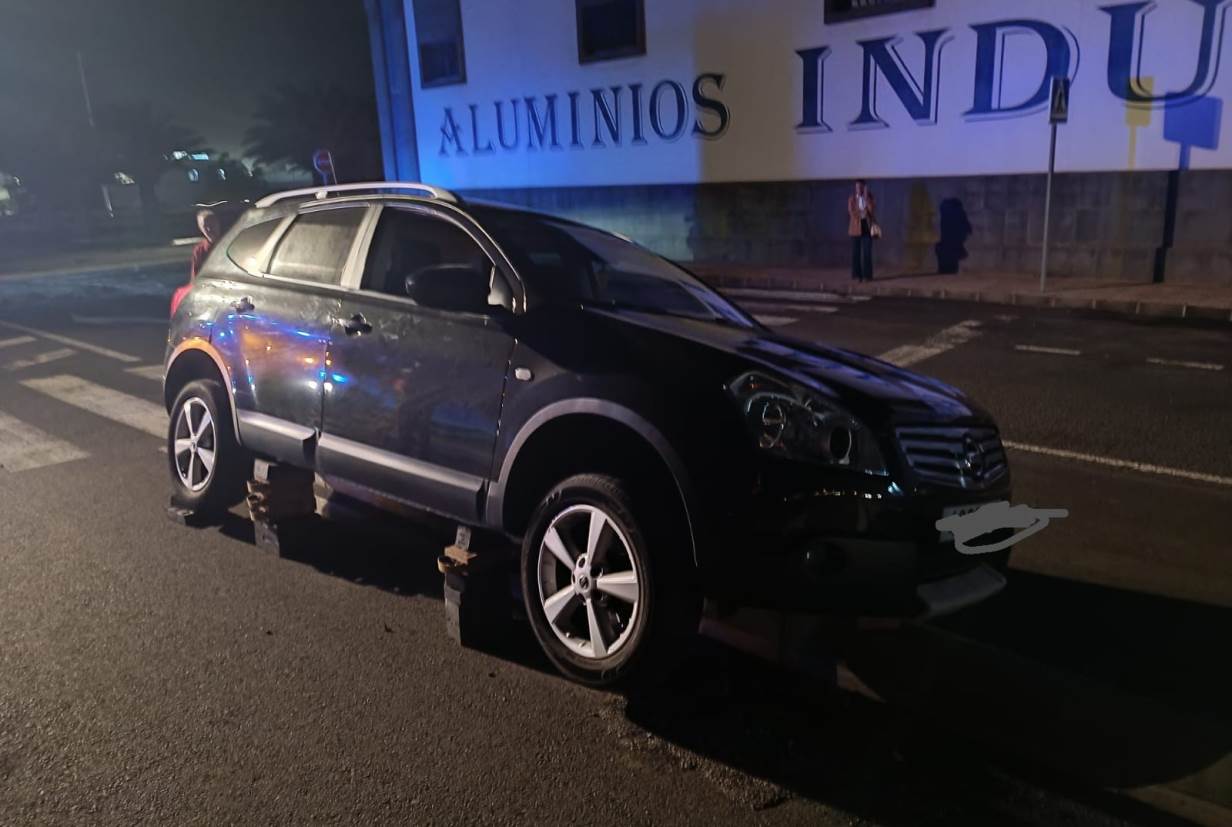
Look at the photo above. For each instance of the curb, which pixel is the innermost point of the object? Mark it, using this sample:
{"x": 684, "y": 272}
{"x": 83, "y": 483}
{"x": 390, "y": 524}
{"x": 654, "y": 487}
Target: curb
{"x": 1118, "y": 307}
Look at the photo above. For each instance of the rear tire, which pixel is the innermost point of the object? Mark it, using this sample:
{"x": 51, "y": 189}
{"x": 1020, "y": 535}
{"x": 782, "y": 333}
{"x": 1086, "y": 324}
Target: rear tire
{"x": 208, "y": 467}
{"x": 605, "y": 590}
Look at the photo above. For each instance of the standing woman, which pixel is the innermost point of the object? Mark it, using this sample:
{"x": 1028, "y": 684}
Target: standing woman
{"x": 862, "y": 227}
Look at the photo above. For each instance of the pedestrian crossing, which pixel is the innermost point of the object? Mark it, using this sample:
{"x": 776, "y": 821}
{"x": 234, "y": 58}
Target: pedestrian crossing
{"x": 25, "y": 446}
{"x": 40, "y": 359}
{"x": 98, "y": 399}
{"x": 16, "y": 340}
{"x": 77, "y": 343}
{"x": 154, "y": 372}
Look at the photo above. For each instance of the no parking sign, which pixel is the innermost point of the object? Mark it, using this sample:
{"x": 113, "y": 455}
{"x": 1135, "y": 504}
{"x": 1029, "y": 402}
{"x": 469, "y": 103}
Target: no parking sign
{"x": 323, "y": 162}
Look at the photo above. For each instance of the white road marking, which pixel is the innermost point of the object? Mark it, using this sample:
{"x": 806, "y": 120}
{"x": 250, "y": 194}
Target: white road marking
{"x": 16, "y": 340}
{"x": 41, "y": 359}
{"x": 775, "y": 321}
{"x": 1056, "y": 351}
{"x": 119, "y": 320}
{"x": 154, "y": 372}
{"x": 1177, "y": 363}
{"x": 77, "y": 343}
{"x": 112, "y": 404}
{"x": 23, "y": 446}
{"x": 934, "y": 345}
{"x": 1142, "y": 467}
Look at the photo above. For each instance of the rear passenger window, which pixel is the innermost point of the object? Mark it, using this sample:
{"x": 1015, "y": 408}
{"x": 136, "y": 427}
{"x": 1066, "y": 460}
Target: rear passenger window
{"x": 316, "y": 247}
{"x": 247, "y": 245}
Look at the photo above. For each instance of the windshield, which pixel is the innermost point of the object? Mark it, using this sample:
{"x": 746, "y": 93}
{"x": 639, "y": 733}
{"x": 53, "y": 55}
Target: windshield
{"x": 575, "y": 263}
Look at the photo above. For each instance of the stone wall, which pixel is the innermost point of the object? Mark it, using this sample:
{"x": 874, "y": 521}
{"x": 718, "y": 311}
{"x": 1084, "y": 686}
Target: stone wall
{"x": 1104, "y": 225}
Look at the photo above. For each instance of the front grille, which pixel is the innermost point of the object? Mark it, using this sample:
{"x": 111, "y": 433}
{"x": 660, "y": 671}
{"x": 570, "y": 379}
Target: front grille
{"x": 970, "y": 458}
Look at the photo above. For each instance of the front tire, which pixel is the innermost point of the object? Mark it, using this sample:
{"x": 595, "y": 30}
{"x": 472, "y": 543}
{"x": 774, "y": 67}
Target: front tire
{"x": 208, "y": 467}
{"x": 602, "y": 609}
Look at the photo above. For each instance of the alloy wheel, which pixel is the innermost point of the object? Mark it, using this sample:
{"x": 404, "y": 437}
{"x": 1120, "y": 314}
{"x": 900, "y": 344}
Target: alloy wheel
{"x": 194, "y": 444}
{"x": 589, "y": 582}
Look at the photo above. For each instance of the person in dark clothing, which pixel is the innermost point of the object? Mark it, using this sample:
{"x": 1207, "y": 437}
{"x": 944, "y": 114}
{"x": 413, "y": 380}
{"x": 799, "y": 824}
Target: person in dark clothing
{"x": 862, "y": 227}
{"x": 955, "y": 230}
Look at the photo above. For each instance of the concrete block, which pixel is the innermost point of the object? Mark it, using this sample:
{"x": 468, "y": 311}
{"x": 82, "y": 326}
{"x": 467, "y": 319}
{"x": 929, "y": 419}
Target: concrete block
{"x": 477, "y": 606}
{"x": 186, "y": 516}
{"x": 1031, "y": 300}
{"x": 283, "y": 537}
{"x": 1070, "y": 302}
{"x": 1214, "y": 314}
{"x": 1119, "y": 306}
{"x": 1160, "y": 309}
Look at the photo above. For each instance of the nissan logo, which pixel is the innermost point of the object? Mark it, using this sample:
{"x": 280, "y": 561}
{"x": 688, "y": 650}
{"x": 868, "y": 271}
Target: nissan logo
{"x": 973, "y": 457}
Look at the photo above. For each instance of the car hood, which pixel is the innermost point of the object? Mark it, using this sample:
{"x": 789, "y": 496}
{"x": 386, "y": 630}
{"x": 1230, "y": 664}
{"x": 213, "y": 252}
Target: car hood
{"x": 870, "y": 387}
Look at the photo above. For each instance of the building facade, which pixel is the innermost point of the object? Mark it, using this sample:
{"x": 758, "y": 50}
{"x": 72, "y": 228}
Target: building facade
{"x": 721, "y": 130}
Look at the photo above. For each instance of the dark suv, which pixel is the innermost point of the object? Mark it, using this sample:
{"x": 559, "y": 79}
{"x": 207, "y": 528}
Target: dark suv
{"x": 645, "y": 440}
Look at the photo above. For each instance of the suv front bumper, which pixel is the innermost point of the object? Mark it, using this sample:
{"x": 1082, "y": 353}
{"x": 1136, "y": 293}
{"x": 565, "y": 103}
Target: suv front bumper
{"x": 865, "y": 548}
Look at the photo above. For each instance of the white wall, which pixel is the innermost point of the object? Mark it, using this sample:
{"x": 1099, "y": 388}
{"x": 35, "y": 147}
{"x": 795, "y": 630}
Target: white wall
{"x": 529, "y": 48}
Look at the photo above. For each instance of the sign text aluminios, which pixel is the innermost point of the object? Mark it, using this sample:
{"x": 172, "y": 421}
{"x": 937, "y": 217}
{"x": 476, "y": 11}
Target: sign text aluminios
{"x": 635, "y": 113}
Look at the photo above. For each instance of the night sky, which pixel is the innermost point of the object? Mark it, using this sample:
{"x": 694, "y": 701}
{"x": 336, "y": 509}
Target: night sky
{"x": 206, "y": 64}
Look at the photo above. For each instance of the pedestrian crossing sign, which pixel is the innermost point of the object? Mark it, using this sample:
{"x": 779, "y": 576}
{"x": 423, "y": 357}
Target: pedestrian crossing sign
{"x": 1059, "y": 110}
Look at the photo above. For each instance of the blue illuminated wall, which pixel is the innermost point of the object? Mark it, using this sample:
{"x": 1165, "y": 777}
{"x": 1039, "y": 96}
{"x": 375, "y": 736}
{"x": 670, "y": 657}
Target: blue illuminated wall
{"x": 734, "y": 137}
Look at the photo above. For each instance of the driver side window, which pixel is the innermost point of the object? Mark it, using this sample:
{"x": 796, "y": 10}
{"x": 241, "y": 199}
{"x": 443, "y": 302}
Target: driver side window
{"x": 410, "y": 248}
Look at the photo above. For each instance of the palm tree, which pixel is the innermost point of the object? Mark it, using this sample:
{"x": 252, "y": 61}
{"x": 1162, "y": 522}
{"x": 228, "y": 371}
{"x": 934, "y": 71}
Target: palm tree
{"x": 294, "y": 123}
{"x": 139, "y": 141}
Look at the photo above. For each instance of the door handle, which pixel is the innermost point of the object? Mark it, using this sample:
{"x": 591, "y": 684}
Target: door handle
{"x": 356, "y": 325}
{"x": 243, "y": 305}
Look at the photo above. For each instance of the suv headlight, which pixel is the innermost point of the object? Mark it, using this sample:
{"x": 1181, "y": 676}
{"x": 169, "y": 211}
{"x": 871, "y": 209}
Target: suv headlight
{"x": 795, "y": 423}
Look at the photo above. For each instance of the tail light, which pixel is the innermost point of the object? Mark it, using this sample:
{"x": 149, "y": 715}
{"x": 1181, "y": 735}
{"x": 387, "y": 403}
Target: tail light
{"x": 178, "y": 296}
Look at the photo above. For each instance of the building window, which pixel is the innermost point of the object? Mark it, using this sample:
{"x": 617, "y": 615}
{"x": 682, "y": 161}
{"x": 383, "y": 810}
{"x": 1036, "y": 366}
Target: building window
{"x": 438, "y": 33}
{"x": 608, "y": 29}
{"x": 839, "y": 11}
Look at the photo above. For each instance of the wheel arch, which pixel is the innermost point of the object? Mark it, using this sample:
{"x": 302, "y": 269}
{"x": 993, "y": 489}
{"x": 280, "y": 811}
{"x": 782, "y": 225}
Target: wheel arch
{"x": 545, "y": 450}
{"x": 195, "y": 359}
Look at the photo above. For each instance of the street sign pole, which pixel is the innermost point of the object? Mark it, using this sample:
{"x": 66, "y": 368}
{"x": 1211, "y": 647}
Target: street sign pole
{"x": 85, "y": 94}
{"x": 1058, "y": 113}
{"x": 1052, "y": 162}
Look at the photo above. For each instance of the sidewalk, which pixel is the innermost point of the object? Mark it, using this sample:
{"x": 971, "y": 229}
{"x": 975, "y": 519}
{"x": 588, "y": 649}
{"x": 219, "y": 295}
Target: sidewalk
{"x": 95, "y": 261}
{"x": 1185, "y": 301}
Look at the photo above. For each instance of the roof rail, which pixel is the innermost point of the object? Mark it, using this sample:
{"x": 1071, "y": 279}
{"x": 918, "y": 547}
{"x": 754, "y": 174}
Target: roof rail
{"x": 326, "y": 191}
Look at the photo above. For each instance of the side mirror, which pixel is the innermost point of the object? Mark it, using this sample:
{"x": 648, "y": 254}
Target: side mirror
{"x": 454, "y": 287}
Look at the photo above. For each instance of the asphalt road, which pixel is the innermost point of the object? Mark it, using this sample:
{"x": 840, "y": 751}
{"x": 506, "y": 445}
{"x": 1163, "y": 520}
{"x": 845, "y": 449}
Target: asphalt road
{"x": 153, "y": 671}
